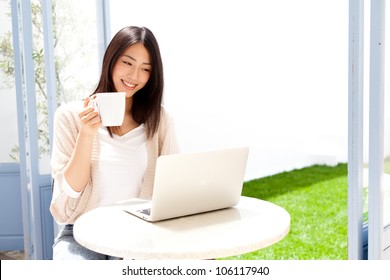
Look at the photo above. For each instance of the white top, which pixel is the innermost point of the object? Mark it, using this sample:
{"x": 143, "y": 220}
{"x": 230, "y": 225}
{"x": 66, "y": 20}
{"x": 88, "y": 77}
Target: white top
{"x": 121, "y": 167}
{"x": 251, "y": 225}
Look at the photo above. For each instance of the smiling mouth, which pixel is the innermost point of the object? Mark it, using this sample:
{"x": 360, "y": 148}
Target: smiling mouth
{"x": 129, "y": 85}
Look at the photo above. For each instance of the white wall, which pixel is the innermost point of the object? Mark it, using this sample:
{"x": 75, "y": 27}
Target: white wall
{"x": 268, "y": 74}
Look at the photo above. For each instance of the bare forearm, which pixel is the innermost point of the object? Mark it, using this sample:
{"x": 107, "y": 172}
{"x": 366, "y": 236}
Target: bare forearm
{"x": 78, "y": 169}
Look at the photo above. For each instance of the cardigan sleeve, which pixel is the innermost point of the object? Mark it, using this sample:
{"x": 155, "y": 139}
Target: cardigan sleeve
{"x": 64, "y": 208}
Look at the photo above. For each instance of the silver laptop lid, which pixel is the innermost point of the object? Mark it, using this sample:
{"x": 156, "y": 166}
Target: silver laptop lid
{"x": 198, "y": 182}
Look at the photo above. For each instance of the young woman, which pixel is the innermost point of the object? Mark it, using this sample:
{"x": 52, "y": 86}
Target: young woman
{"x": 94, "y": 165}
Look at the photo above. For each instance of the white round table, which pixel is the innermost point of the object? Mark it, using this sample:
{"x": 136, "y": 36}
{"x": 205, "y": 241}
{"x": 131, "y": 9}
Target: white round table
{"x": 251, "y": 225}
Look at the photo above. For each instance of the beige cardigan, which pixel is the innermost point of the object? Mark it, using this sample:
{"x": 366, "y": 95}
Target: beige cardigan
{"x": 65, "y": 209}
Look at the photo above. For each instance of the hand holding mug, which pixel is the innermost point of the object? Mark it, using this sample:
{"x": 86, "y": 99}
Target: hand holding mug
{"x": 89, "y": 117}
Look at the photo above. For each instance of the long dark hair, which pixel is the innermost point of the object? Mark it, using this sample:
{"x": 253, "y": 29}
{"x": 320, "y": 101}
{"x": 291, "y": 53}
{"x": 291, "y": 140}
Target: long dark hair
{"x": 146, "y": 106}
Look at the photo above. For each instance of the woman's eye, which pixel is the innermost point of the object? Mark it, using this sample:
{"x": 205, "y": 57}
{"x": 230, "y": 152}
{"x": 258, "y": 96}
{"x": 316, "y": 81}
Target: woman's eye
{"x": 146, "y": 69}
{"x": 127, "y": 63}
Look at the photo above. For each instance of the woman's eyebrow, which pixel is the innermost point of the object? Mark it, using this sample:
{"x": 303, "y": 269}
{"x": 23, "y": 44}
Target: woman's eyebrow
{"x": 132, "y": 58}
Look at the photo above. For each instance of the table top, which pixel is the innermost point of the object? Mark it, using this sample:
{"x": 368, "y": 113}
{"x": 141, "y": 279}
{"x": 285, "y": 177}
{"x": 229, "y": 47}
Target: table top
{"x": 251, "y": 225}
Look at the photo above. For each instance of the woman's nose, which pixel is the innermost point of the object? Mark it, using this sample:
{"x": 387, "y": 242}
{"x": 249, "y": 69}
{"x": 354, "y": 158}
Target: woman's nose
{"x": 133, "y": 74}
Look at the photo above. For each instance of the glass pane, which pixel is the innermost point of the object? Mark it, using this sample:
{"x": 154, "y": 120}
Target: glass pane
{"x": 76, "y": 51}
{"x": 8, "y": 112}
{"x": 76, "y": 59}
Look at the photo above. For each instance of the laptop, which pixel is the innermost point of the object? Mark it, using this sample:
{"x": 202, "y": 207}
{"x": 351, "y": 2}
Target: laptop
{"x": 192, "y": 183}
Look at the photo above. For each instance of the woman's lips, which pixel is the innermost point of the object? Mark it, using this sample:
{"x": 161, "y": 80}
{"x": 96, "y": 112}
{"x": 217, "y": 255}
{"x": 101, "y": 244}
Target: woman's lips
{"x": 129, "y": 85}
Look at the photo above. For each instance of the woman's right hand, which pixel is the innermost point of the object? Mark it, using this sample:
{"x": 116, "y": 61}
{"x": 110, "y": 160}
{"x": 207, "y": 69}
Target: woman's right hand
{"x": 89, "y": 118}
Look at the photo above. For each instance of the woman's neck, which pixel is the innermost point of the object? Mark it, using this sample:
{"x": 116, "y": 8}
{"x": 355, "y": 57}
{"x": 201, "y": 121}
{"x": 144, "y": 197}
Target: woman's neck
{"x": 128, "y": 122}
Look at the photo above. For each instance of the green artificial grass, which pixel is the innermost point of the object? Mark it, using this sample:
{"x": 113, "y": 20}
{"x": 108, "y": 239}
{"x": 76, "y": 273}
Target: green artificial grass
{"x": 316, "y": 198}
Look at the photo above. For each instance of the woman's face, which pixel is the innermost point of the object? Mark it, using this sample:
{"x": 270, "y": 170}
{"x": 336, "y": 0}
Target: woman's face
{"x": 132, "y": 70}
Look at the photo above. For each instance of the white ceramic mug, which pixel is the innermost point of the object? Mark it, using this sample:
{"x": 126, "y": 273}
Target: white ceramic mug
{"x": 111, "y": 107}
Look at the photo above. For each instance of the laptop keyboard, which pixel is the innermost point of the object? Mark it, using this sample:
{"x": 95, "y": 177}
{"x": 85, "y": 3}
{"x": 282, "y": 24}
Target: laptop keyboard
{"x": 145, "y": 211}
